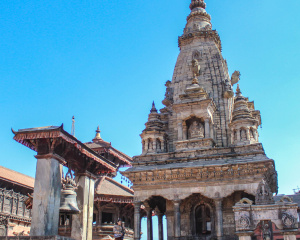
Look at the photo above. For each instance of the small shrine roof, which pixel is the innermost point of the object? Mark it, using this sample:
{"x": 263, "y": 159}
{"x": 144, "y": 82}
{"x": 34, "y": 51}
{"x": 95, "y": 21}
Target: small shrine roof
{"x": 108, "y": 186}
{"x": 101, "y": 145}
{"x": 16, "y": 178}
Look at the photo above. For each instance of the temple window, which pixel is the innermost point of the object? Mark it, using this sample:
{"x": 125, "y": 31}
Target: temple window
{"x": 64, "y": 219}
{"x": 203, "y": 220}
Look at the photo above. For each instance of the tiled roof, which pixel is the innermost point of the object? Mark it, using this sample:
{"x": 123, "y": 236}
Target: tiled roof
{"x": 108, "y": 186}
{"x": 294, "y": 197}
{"x": 16, "y": 177}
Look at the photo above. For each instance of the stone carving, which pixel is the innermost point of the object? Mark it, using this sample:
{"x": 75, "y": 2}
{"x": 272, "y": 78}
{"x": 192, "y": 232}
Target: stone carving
{"x": 266, "y": 231}
{"x": 286, "y": 199}
{"x": 244, "y": 222}
{"x": 245, "y": 201}
{"x": 288, "y": 220}
{"x": 195, "y": 67}
{"x": 264, "y": 194}
{"x": 196, "y": 130}
{"x": 235, "y": 77}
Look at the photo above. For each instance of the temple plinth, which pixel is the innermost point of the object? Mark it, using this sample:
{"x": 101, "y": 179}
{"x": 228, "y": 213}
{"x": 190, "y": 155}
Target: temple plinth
{"x": 55, "y": 148}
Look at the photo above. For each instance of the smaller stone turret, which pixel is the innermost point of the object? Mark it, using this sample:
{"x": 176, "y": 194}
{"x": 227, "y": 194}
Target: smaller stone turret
{"x": 245, "y": 121}
{"x": 153, "y": 136}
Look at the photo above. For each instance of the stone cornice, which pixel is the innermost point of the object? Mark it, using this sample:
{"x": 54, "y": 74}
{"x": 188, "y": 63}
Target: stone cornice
{"x": 187, "y": 38}
{"x": 201, "y": 154}
{"x": 198, "y": 13}
{"x": 202, "y": 173}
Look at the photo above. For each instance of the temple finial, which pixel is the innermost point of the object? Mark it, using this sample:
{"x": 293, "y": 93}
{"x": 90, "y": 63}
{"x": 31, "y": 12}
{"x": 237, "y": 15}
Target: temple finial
{"x": 238, "y": 91}
{"x": 98, "y": 133}
{"x": 197, "y": 3}
{"x": 153, "y": 109}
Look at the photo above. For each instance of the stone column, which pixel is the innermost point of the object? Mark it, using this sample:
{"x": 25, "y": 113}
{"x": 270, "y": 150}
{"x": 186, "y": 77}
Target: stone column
{"x": 149, "y": 224}
{"x": 82, "y": 223}
{"x": 46, "y": 201}
{"x": 248, "y": 133}
{"x": 290, "y": 235}
{"x": 137, "y": 220}
{"x": 170, "y": 224}
{"x": 219, "y": 218}
{"x": 184, "y": 131}
{"x": 160, "y": 226}
{"x": 180, "y": 131}
{"x": 146, "y": 144}
{"x": 238, "y": 135}
{"x": 177, "y": 222}
{"x": 206, "y": 128}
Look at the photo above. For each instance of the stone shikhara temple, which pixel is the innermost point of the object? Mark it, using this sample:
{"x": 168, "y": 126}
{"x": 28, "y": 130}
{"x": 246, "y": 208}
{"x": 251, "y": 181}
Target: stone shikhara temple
{"x": 202, "y": 165}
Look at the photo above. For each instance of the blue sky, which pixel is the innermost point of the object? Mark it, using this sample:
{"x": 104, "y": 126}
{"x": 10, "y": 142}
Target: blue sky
{"x": 106, "y": 61}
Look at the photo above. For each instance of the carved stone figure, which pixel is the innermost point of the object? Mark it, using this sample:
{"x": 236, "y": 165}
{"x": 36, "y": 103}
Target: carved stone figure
{"x": 196, "y": 67}
{"x": 235, "y": 77}
{"x": 266, "y": 231}
{"x": 264, "y": 194}
{"x": 196, "y": 130}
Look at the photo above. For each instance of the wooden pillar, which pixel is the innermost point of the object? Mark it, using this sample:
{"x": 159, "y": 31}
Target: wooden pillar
{"x": 46, "y": 201}
{"x": 137, "y": 220}
{"x": 82, "y": 223}
{"x": 177, "y": 220}
{"x": 160, "y": 226}
{"x": 219, "y": 218}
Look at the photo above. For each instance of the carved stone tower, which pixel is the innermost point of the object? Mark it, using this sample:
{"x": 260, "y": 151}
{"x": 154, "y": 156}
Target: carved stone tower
{"x": 201, "y": 153}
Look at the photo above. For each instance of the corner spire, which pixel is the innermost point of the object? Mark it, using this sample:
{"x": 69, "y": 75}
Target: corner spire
{"x": 153, "y": 109}
{"x": 197, "y": 3}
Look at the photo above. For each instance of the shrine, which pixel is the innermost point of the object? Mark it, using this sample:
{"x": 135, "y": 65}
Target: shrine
{"x": 202, "y": 164}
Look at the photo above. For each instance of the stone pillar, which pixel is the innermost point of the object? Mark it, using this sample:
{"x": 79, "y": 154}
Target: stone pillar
{"x": 149, "y": 224}
{"x": 290, "y": 235}
{"x": 82, "y": 223}
{"x": 46, "y": 201}
{"x": 238, "y": 135}
{"x": 146, "y": 144}
{"x": 180, "y": 131}
{"x": 177, "y": 222}
{"x": 160, "y": 226}
{"x": 248, "y": 133}
{"x": 206, "y": 128}
{"x": 137, "y": 220}
{"x": 170, "y": 224}
{"x": 184, "y": 131}
{"x": 219, "y": 218}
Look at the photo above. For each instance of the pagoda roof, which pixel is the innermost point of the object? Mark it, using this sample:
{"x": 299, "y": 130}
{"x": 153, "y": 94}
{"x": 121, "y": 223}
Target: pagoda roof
{"x": 109, "y": 190}
{"x": 64, "y": 144}
{"x": 107, "y": 147}
{"x": 17, "y": 178}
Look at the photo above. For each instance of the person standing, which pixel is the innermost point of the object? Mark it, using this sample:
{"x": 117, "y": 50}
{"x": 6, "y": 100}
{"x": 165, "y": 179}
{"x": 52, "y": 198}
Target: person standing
{"x": 119, "y": 230}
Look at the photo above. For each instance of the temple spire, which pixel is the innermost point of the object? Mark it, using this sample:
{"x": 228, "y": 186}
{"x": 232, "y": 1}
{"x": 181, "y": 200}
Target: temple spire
{"x": 238, "y": 91}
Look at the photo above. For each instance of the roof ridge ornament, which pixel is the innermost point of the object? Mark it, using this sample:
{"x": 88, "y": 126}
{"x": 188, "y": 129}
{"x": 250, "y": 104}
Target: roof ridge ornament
{"x": 197, "y": 3}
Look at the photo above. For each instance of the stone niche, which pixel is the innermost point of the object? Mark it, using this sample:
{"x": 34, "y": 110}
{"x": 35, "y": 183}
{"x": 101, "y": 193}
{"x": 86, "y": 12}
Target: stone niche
{"x": 196, "y": 134}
